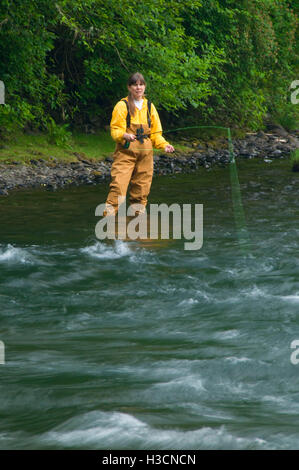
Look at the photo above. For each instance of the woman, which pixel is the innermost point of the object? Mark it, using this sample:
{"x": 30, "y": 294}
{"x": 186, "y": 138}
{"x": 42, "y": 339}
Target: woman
{"x": 136, "y": 128}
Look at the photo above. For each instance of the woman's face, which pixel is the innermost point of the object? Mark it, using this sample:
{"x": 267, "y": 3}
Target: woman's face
{"x": 137, "y": 90}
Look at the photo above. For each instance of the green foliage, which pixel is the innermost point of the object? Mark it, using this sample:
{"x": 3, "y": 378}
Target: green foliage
{"x": 222, "y": 61}
{"x": 259, "y": 47}
{"x": 58, "y": 134}
{"x": 13, "y": 118}
{"x": 120, "y": 38}
{"x": 25, "y": 41}
{"x": 295, "y": 156}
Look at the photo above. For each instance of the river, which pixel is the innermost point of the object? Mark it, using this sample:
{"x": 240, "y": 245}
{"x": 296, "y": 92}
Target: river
{"x": 136, "y": 345}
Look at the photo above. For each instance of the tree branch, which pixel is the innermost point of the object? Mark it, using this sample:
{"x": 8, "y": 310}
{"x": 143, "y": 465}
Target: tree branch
{"x": 121, "y": 61}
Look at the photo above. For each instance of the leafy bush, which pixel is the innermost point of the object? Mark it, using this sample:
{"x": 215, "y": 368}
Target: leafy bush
{"x": 222, "y": 61}
{"x": 58, "y": 134}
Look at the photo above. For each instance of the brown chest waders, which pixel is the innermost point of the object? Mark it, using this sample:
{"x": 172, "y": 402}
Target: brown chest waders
{"x": 134, "y": 166}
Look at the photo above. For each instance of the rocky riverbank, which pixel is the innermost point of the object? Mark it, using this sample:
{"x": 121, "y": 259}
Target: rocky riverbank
{"x": 272, "y": 144}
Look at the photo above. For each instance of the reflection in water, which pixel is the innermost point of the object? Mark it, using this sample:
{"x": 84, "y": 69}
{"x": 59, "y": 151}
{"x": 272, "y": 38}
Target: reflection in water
{"x": 142, "y": 229}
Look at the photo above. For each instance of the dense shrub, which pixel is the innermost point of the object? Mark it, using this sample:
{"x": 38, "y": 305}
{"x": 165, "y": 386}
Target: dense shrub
{"x": 213, "y": 61}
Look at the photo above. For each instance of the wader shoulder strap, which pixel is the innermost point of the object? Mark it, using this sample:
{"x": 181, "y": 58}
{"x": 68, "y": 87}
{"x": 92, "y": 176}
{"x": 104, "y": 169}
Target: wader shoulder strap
{"x": 149, "y": 106}
{"x": 128, "y": 114}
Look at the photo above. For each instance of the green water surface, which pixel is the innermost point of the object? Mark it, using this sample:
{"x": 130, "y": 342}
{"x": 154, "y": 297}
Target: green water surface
{"x": 140, "y": 345}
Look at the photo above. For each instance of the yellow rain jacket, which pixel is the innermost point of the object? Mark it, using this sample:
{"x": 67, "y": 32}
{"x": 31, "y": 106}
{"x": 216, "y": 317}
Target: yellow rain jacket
{"x": 118, "y": 123}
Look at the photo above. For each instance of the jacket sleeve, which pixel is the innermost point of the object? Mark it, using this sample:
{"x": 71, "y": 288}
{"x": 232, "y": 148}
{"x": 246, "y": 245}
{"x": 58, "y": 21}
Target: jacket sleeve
{"x": 157, "y": 139}
{"x": 118, "y": 124}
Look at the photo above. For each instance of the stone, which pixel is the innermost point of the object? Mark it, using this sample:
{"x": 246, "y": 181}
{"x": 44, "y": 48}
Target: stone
{"x": 198, "y": 155}
{"x": 262, "y": 135}
{"x": 293, "y": 140}
{"x": 276, "y": 152}
{"x": 278, "y": 129}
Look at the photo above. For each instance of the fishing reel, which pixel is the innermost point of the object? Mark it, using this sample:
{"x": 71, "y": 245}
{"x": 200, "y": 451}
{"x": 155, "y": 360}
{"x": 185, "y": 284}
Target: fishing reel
{"x": 140, "y": 136}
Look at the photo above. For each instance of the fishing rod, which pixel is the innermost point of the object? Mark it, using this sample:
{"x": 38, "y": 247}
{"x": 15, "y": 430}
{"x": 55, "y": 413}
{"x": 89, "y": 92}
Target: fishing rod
{"x": 141, "y": 135}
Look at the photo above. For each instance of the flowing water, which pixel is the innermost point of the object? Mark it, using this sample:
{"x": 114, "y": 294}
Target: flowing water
{"x": 138, "y": 345}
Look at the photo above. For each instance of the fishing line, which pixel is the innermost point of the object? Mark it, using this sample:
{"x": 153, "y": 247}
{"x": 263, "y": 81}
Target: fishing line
{"x": 239, "y": 214}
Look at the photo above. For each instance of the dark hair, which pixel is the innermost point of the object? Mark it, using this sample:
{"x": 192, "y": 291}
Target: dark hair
{"x": 132, "y": 80}
{"x": 136, "y": 77}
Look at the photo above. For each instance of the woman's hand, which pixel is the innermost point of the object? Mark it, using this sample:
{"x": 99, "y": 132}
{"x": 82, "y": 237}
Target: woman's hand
{"x": 169, "y": 148}
{"x": 129, "y": 137}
